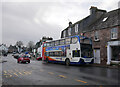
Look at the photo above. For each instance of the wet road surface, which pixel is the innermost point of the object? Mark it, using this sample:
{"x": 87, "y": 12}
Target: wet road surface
{"x": 39, "y": 73}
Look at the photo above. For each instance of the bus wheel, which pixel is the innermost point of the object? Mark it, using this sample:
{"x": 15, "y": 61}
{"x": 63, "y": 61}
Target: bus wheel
{"x": 47, "y": 61}
{"x": 67, "y": 62}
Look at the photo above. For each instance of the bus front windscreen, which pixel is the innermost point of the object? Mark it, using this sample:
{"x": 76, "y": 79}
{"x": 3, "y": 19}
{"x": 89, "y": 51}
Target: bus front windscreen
{"x": 86, "y": 50}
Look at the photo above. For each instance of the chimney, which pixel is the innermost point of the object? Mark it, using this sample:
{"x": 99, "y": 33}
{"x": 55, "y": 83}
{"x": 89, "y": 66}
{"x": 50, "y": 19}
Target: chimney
{"x": 94, "y": 10}
{"x": 70, "y": 23}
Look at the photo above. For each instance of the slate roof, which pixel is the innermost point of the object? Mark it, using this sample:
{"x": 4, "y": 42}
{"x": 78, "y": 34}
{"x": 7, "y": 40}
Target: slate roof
{"x": 112, "y": 19}
{"x": 95, "y": 21}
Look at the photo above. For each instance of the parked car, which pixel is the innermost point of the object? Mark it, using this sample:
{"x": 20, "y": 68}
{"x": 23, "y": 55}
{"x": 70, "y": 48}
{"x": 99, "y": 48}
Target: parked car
{"x": 39, "y": 58}
{"x": 16, "y": 55}
{"x": 23, "y": 59}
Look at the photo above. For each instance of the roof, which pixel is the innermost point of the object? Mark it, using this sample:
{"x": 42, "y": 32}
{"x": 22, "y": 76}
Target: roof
{"x": 108, "y": 20}
{"x": 98, "y": 21}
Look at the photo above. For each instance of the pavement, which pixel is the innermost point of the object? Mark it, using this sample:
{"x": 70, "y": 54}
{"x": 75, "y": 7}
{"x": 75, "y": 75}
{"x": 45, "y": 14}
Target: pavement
{"x": 106, "y": 66}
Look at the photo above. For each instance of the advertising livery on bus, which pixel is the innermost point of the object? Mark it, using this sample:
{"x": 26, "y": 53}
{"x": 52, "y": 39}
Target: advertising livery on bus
{"x": 71, "y": 50}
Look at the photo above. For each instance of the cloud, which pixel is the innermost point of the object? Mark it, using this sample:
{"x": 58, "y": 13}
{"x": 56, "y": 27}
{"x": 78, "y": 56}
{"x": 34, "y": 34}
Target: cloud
{"x": 31, "y": 20}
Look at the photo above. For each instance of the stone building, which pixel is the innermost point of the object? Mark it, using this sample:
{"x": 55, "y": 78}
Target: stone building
{"x": 104, "y": 29}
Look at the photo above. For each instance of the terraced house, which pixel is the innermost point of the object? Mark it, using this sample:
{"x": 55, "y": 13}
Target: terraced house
{"x": 104, "y": 29}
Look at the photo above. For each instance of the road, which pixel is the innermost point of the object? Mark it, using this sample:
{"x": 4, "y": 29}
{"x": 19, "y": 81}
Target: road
{"x": 38, "y": 73}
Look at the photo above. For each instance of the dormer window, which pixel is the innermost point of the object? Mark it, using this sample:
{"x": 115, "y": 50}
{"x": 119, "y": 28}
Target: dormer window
{"x": 114, "y": 33}
{"x": 105, "y": 19}
{"x": 76, "y": 28}
{"x": 69, "y": 31}
{"x": 96, "y": 37}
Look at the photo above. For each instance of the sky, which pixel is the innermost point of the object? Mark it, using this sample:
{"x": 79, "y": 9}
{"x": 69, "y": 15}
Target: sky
{"x": 30, "y": 20}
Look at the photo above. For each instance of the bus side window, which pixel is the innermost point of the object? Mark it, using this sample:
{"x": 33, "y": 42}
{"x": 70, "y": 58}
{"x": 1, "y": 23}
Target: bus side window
{"x": 62, "y": 42}
{"x": 53, "y": 43}
{"x": 67, "y": 40}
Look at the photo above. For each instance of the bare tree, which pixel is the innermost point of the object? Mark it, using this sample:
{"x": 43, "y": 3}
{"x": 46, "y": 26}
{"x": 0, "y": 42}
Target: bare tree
{"x": 19, "y": 44}
{"x": 30, "y": 46}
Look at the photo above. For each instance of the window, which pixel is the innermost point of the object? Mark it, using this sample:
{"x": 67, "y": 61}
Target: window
{"x": 96, "y": 38}
{"x": 44, "y": 45}
{"x": 52, "y": 43}
{"x": 48, "y": 44}
{"x": 69, "y": 31}
{"x": 56, "y": 43}
{"x": 114, "y": 33}
{"x": 62, "y": 42}
{"x": 105, "y": 19}
{"x": 76, "y": 28}
{"x": 67, "y": 40}
{"x": 74, "y": 40}
{"x": 64, "y": 33}
{"x": 85, "y": 41}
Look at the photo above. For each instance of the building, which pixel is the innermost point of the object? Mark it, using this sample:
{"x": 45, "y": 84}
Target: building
{"x": 12, "y": 49}
{"x": 3, "y": 49}
{"x": 104, "y": 29}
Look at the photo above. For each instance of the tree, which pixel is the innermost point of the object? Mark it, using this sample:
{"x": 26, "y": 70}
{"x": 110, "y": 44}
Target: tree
{"x": 30, "y": 46}
{"x": 19, "y": 45}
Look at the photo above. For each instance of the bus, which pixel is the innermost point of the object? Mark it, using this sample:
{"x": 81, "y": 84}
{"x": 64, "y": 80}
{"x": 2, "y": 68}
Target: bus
{"x": 70, "y": 50}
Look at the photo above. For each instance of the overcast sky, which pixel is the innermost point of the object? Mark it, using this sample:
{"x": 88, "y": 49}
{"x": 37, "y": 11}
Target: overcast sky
{"x": 30, "y": 20}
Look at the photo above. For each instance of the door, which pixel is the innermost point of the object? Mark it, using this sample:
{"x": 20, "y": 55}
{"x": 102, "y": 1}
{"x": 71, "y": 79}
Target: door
{"x": 97, "y": 56}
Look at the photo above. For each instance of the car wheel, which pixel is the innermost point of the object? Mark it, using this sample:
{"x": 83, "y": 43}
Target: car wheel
{"x": 47, "y": 61}
{"x": 67, "y": 62}
{"x": 28, "y": 61}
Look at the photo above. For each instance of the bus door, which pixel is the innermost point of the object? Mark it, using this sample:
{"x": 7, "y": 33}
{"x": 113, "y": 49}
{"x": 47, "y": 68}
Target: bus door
{"x": 75, "y": 55}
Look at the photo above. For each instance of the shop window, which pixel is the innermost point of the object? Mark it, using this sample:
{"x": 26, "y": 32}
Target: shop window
{"x": 116, "y": 53}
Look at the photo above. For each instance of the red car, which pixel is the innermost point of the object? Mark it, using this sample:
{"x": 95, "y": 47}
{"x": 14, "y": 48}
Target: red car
{"x": 23, "y": 59}
{"x": 39, "y": 58}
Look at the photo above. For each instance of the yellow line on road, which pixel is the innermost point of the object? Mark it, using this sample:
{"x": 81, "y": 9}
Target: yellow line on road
{"x": 7, "y": 75}
{"x": 62, "y": 76}
{"x": 15, "y": 74}
{"x": 20, "y": 73}
{"x": 80, "y": 81}
{"x": 51, "y": 73}
{"x": 5, "y": 71}
{"x": 41, "y": 70}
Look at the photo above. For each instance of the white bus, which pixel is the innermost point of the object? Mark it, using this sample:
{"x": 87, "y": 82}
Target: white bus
{"x": 71, "y": 50}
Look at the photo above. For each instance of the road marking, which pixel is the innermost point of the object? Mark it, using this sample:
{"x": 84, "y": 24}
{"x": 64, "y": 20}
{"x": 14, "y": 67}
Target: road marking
{"x": 51, "y": 73}
{"x": 62, "y": 76}
{"x": 7, "y": 75}
{"x": 27, "y": 72}
{"x": 80, "y": 81}
{"x": 41, "y": 70}
{"x": 5, "y": 71}
{"x": 20, "y": 73}
{"x": 15, "y": 74}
